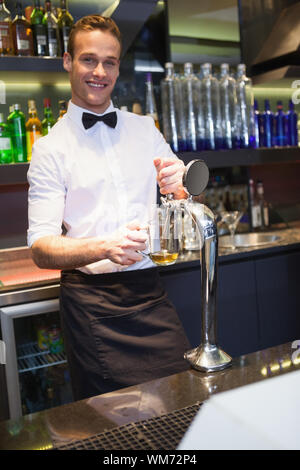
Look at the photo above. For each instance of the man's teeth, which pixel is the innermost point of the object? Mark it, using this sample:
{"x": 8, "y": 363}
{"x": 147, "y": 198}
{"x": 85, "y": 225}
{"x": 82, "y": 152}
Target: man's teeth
{"x": 96, "y": 85}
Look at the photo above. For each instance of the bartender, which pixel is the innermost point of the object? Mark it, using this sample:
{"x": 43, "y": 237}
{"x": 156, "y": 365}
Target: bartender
{"x": 92, "y": 186}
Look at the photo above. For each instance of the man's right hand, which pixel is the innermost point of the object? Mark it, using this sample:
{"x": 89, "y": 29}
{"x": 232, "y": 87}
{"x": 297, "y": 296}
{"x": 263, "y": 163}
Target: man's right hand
{"x": 124, "y": 244}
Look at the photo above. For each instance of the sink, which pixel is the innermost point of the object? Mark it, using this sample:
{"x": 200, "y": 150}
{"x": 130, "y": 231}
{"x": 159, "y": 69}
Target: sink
{"x": 244, "y": 240}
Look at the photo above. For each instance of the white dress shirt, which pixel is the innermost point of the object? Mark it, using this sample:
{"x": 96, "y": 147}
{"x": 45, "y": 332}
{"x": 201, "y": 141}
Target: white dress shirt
{"x": 94, "y": 181}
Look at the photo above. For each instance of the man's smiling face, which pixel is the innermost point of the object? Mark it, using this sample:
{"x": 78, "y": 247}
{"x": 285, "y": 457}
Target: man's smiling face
{"x": 94, "y": 69}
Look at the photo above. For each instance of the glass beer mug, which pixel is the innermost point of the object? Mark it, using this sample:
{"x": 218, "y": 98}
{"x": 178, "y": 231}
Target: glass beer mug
{"x": 165, "y": 232}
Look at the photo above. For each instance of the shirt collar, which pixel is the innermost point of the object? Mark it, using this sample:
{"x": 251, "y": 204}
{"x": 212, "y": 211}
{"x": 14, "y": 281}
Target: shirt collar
{"x": 75, "y": 113}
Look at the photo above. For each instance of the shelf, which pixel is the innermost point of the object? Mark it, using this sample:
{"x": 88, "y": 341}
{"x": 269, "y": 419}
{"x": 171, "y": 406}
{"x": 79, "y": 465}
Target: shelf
{"x": 244, "y": 157}
{"x": 31, "y": 358}
{"x": 16, "y": 173}
{"x": 44, "y": 70}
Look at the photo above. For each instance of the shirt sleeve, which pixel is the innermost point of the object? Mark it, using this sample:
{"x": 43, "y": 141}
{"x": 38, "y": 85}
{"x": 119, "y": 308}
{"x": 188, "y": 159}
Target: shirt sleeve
{"x": 46, "y": 196}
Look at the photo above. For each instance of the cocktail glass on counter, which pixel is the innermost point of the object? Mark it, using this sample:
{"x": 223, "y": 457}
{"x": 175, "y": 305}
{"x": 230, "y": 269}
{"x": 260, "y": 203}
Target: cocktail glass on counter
{"x": 231, "y": 220}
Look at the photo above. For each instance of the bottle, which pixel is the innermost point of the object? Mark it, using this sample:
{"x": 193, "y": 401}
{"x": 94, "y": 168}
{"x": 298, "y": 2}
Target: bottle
{"x": 39, "y": 30}
{"x": 227, "y": 203}
{"x": 263, "y": 205}
{"x": 16, "y": 121}
{"x": 27, "y": 12}
{"x": 245, "y": 107}
{"x": 257, "y": 124}
{"x": 210, "y": 102}
{"x": 6, "y": 39}
{"x": 65, "y": 22}
{"x": 6, "y": 145}
{"x": 173, "y": 123}
{"x": 267, "y": 126}
{"x": 280, "y": 137}
{"x": 228, "y": 105}
{"x": 56, "y": 344}
{"x": 255, "y": 213}
{"x": 151, "y": 109}
{"x": 33, "y": 127}
{"x": 63, "y": 106}
{"x": 292, "y": 125}
{"x": 48, "y": 120}
{"x": 22, "y": 34}
{"x": 137, "y": 108}
{"x": 190, "y": 87}
{"x": 52, "y": 31}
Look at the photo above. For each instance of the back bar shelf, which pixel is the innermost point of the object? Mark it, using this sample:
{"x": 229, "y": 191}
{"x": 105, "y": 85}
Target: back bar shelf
{"x": 16, "y": 173}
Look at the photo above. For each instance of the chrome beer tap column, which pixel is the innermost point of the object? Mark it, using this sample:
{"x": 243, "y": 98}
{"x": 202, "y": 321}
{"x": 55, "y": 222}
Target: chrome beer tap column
{"x": 207, "y": 356}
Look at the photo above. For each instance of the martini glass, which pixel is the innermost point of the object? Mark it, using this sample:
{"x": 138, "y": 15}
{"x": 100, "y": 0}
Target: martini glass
{"x": 231, "y": 220}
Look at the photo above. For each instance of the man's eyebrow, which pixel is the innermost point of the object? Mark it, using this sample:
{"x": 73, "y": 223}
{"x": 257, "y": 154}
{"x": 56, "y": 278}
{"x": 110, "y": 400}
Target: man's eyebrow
{"x": 92, "y": 54}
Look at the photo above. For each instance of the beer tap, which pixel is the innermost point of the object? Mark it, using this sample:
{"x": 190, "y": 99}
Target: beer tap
{"x": 207, "y": 356}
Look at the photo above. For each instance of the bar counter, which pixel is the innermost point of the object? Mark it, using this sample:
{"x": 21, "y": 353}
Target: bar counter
{"x": 68, "y": 425}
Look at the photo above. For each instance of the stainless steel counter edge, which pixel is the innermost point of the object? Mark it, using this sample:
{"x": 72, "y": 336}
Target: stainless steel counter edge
{"x": 30, "y": 294}
{"x": 82, "y": 419}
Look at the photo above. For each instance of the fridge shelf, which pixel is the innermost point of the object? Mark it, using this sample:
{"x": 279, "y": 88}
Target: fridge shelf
{"x": 30, "y": 357}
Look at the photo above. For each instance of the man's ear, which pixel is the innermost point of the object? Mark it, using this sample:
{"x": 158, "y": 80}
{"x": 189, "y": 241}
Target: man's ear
{"x": 67, "y": 61}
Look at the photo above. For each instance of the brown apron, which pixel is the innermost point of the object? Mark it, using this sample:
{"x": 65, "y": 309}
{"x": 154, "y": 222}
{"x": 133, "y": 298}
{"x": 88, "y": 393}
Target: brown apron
{"x": 120, "y": 329}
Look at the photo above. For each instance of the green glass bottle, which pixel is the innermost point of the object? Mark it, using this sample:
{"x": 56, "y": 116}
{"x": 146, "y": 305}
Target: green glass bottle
{"x": 48, "y": 120}
{"x": 65, "y": 23}
{"x": 16, "y": 122}
{"x": 39, "y": 30}
{"x": 6, "y": 146}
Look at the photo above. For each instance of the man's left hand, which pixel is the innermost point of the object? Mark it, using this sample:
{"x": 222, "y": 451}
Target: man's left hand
{"x": 169, "y": 176}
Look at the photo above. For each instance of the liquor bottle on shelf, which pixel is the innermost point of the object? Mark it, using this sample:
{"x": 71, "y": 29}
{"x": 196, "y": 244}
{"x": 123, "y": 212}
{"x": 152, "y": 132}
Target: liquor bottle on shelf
{"x": 53, "y": 42}
{"x": 65, "y": 22}
{"x": 292, "y": 125}
{"x": 173, "y": 123}
{"x": 33, "y": 128}
{"x": 16, "y": 121}
{"x": 39, "y": 30}
{"x": 6, "y": 39}
{"x": 63, "y": 107}
{"x": 245, "y": 101}
{"x": 228, "y": 106}
{"x": 280, "y": 137}
{"x": 190, "y": 87}
{"x": 264, "y": 208}
{"x": 257, "y": 124}
{"x": 6, "y": 145}
{"x": 48, "y": 120}
{"x": 150, "y": 107}
{"x": 27, "y": 12}
{"x": 22, "y": 33}
{"x": 255, "y": 213}
{"x": 210, "y": 102}
{"x": 267, "y": 126}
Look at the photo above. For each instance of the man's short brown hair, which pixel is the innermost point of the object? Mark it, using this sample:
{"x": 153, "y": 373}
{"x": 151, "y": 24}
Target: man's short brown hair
{"x": 91, "y": 23}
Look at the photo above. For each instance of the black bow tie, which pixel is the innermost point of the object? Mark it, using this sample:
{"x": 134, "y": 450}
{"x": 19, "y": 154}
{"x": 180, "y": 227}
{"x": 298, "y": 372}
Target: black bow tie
{"x": 88, "y": 119}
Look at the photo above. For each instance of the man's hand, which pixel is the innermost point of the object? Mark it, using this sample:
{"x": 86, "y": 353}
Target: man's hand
{"x": 123, "y": 245}
{"x": 169, "y": 176}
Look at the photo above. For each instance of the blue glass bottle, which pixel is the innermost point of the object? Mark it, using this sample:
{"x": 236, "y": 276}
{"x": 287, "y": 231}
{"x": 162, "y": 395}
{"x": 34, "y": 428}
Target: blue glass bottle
{"x": 267, "y": 126}
{"x": 245, "y": 108}
{"x": 173, "y": 127}
{"x": 280, "y": 137}
{"x": 210, "y": 102}
{"x": 292, "y": 125}
{"x": 257, "y": 119}
{"x": 228, "y": 107}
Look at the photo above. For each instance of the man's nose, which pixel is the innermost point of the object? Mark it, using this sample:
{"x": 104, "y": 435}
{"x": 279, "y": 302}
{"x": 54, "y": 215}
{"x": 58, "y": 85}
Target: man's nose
{"x": 99, "y": 70}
